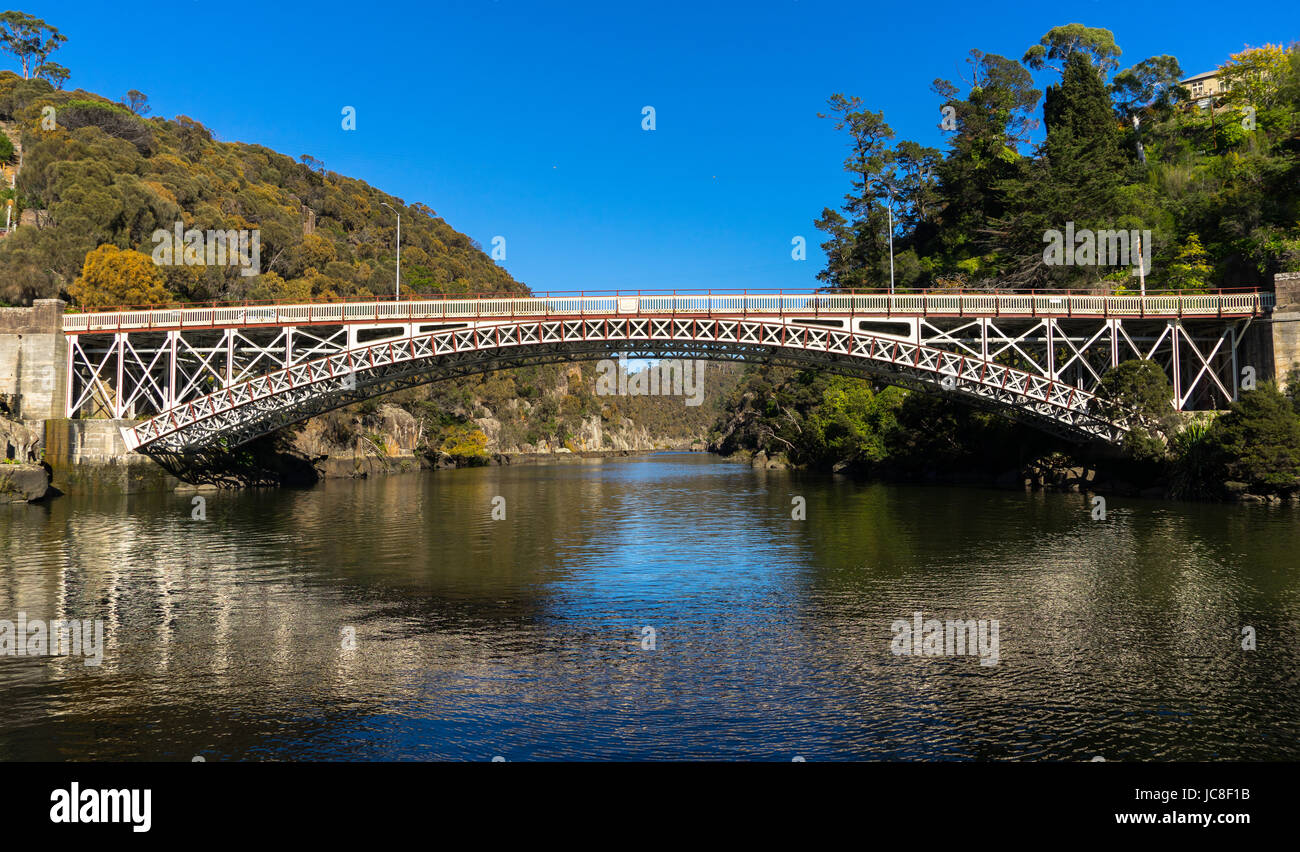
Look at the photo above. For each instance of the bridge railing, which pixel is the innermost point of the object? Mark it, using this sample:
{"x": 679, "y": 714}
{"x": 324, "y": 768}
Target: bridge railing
{"x": 980, "y": 304}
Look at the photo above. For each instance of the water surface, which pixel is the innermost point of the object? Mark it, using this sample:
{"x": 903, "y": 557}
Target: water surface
{"x": 523, "y": 638}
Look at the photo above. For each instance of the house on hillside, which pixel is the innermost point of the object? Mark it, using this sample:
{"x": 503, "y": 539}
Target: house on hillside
{"x": 1205, "y": 88}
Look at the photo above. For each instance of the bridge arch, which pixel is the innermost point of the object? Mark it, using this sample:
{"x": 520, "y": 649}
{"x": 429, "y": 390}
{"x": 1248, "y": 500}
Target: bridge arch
{"x": 264, "y": 403}
{"x": 219, "y": 375}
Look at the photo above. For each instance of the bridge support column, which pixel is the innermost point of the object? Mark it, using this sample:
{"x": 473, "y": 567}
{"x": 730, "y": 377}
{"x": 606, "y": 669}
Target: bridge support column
{"x": 34, "y": 361}
{"x": 1273, "y": 348}
{"x": 1176, "y": 365}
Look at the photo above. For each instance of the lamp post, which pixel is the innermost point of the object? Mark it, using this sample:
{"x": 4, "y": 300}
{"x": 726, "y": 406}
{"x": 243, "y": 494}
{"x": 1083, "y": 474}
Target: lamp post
{"x": 889, "y": 190}
{"x": 1142, "y": 269}
{"x": 397, "y": 287}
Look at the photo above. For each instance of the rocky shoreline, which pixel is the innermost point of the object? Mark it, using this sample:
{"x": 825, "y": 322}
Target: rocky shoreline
{"x": 1056, "y": 473}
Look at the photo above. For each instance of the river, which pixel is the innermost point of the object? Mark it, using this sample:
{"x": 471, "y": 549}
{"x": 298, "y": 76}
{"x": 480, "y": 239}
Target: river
{"x": 396, "y": 619}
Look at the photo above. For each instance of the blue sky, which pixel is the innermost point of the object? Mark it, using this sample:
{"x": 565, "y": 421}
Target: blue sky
{"x": 523, "y": 119}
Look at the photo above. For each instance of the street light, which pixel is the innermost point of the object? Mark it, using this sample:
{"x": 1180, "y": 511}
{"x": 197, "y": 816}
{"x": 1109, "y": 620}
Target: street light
{"x": 397, "y": 291}
{"x": 890, "y": 191}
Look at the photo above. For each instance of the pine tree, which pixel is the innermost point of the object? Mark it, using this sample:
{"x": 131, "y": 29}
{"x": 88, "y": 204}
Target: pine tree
{"x": 1083, "y": 146}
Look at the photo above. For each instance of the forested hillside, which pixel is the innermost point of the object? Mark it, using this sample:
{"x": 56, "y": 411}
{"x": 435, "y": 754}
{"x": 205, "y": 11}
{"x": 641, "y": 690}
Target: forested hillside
{"x": 1214, "y": 179}
{"x": 95, "y": 172}
{"x": 95, "y": 179}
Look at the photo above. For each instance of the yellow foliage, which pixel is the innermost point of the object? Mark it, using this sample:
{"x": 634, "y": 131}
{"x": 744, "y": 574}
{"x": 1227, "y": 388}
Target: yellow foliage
{"x": 1254, "y": 76}
{"x": 114, "y": 277}
{"x": 161, "y": 191}
{"x": 317, "y": 251}
{"x": 464, "y": 442}
{"x": 270, "y": 287}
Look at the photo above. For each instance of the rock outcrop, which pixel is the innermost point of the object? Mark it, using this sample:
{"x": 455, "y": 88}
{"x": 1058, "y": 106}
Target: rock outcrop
{"x": 23, "y": 483}
{"x": 18, "y": 442}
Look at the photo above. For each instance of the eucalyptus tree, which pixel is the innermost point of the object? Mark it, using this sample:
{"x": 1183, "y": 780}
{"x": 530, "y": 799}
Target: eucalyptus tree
{"x": 1058, "y": 44}
{"x": 857, "y": 251}
{"x": 1147, "y": 90}
{"x": 29, "y": 40}
{"x": 989, "y": 126}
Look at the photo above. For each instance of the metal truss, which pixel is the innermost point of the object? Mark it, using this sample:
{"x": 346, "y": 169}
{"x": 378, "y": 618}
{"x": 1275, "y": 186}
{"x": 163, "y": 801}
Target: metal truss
{"x": 1199, "y": 356}
{"x": 202, "y": 384}
{"x": 255, "y": 406}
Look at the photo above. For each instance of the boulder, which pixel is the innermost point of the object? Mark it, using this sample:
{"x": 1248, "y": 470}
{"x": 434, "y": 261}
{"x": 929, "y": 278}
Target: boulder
{"x": 23, "y": 483}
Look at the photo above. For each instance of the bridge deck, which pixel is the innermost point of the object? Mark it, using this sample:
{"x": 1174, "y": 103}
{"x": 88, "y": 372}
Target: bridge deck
{"x": 1224, "y": 304}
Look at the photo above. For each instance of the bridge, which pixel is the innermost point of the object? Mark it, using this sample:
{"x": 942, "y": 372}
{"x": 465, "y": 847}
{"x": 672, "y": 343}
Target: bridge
{"x": 202, "y": 377}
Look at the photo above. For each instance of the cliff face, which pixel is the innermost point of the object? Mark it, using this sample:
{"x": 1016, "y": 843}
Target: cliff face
{"x": 18, "y": 443}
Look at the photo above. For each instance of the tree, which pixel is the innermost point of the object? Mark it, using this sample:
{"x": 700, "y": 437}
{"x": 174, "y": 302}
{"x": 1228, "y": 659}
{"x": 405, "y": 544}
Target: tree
{"x": 1079, "y": 179}
{"x": 1147, "y": 89}
{"x": 858, "y": 239}
{"x": 54, "y": 73}
{"x": 1083, "y": 145}
{"x": 464, "y": 442}
{"x": 1194, "y": 471}
{"x": 29, "y": 39}
{"x": 1152, "y": 83}
{"x": 1191, "y": 268}
{"x": 991, "y": 122}
{"x": 138, "y": 102}
{"x": 115, "y": 277}
{"x": 1096, "y": 45}
{"x": 915, "y": 170}
{"x": 1255, "y": 76}
{"x": 1138, "y": 394}
{"x": 849, "y": 423}
{"x": 1258, "y": 441}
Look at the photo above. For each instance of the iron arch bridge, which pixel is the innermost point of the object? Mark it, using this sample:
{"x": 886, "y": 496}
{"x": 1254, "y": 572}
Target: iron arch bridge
{"x": 204, "y": 377}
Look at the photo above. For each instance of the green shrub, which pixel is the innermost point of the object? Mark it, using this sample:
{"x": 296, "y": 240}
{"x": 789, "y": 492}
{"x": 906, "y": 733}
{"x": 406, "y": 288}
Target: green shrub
{"x": 1258, "y": 441}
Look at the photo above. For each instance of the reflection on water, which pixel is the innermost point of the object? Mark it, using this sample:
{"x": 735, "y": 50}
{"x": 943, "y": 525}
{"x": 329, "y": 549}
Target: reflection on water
{"x": 523, "y": 637}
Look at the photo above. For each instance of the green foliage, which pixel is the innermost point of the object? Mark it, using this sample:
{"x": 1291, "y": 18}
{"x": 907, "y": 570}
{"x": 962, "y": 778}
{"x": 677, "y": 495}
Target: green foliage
{"x": 834, "y": 422}
{"x": 1216, "y": 188}
{"x": 31, "y": 41}
{"x": 1060, "y": 45}
{"x": 1132, "y": 154}
{"x": 1190, "y": 270}
{"x": 107, "y": 174}
{"x": 1258, "y": 441}
{"x": 1194, "y": 466}
{"x": 850, "y": 423}
{"x": 1138, "y": 394}
{"x": 859, "y": 241}
{"x": 1290, "y": 388}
